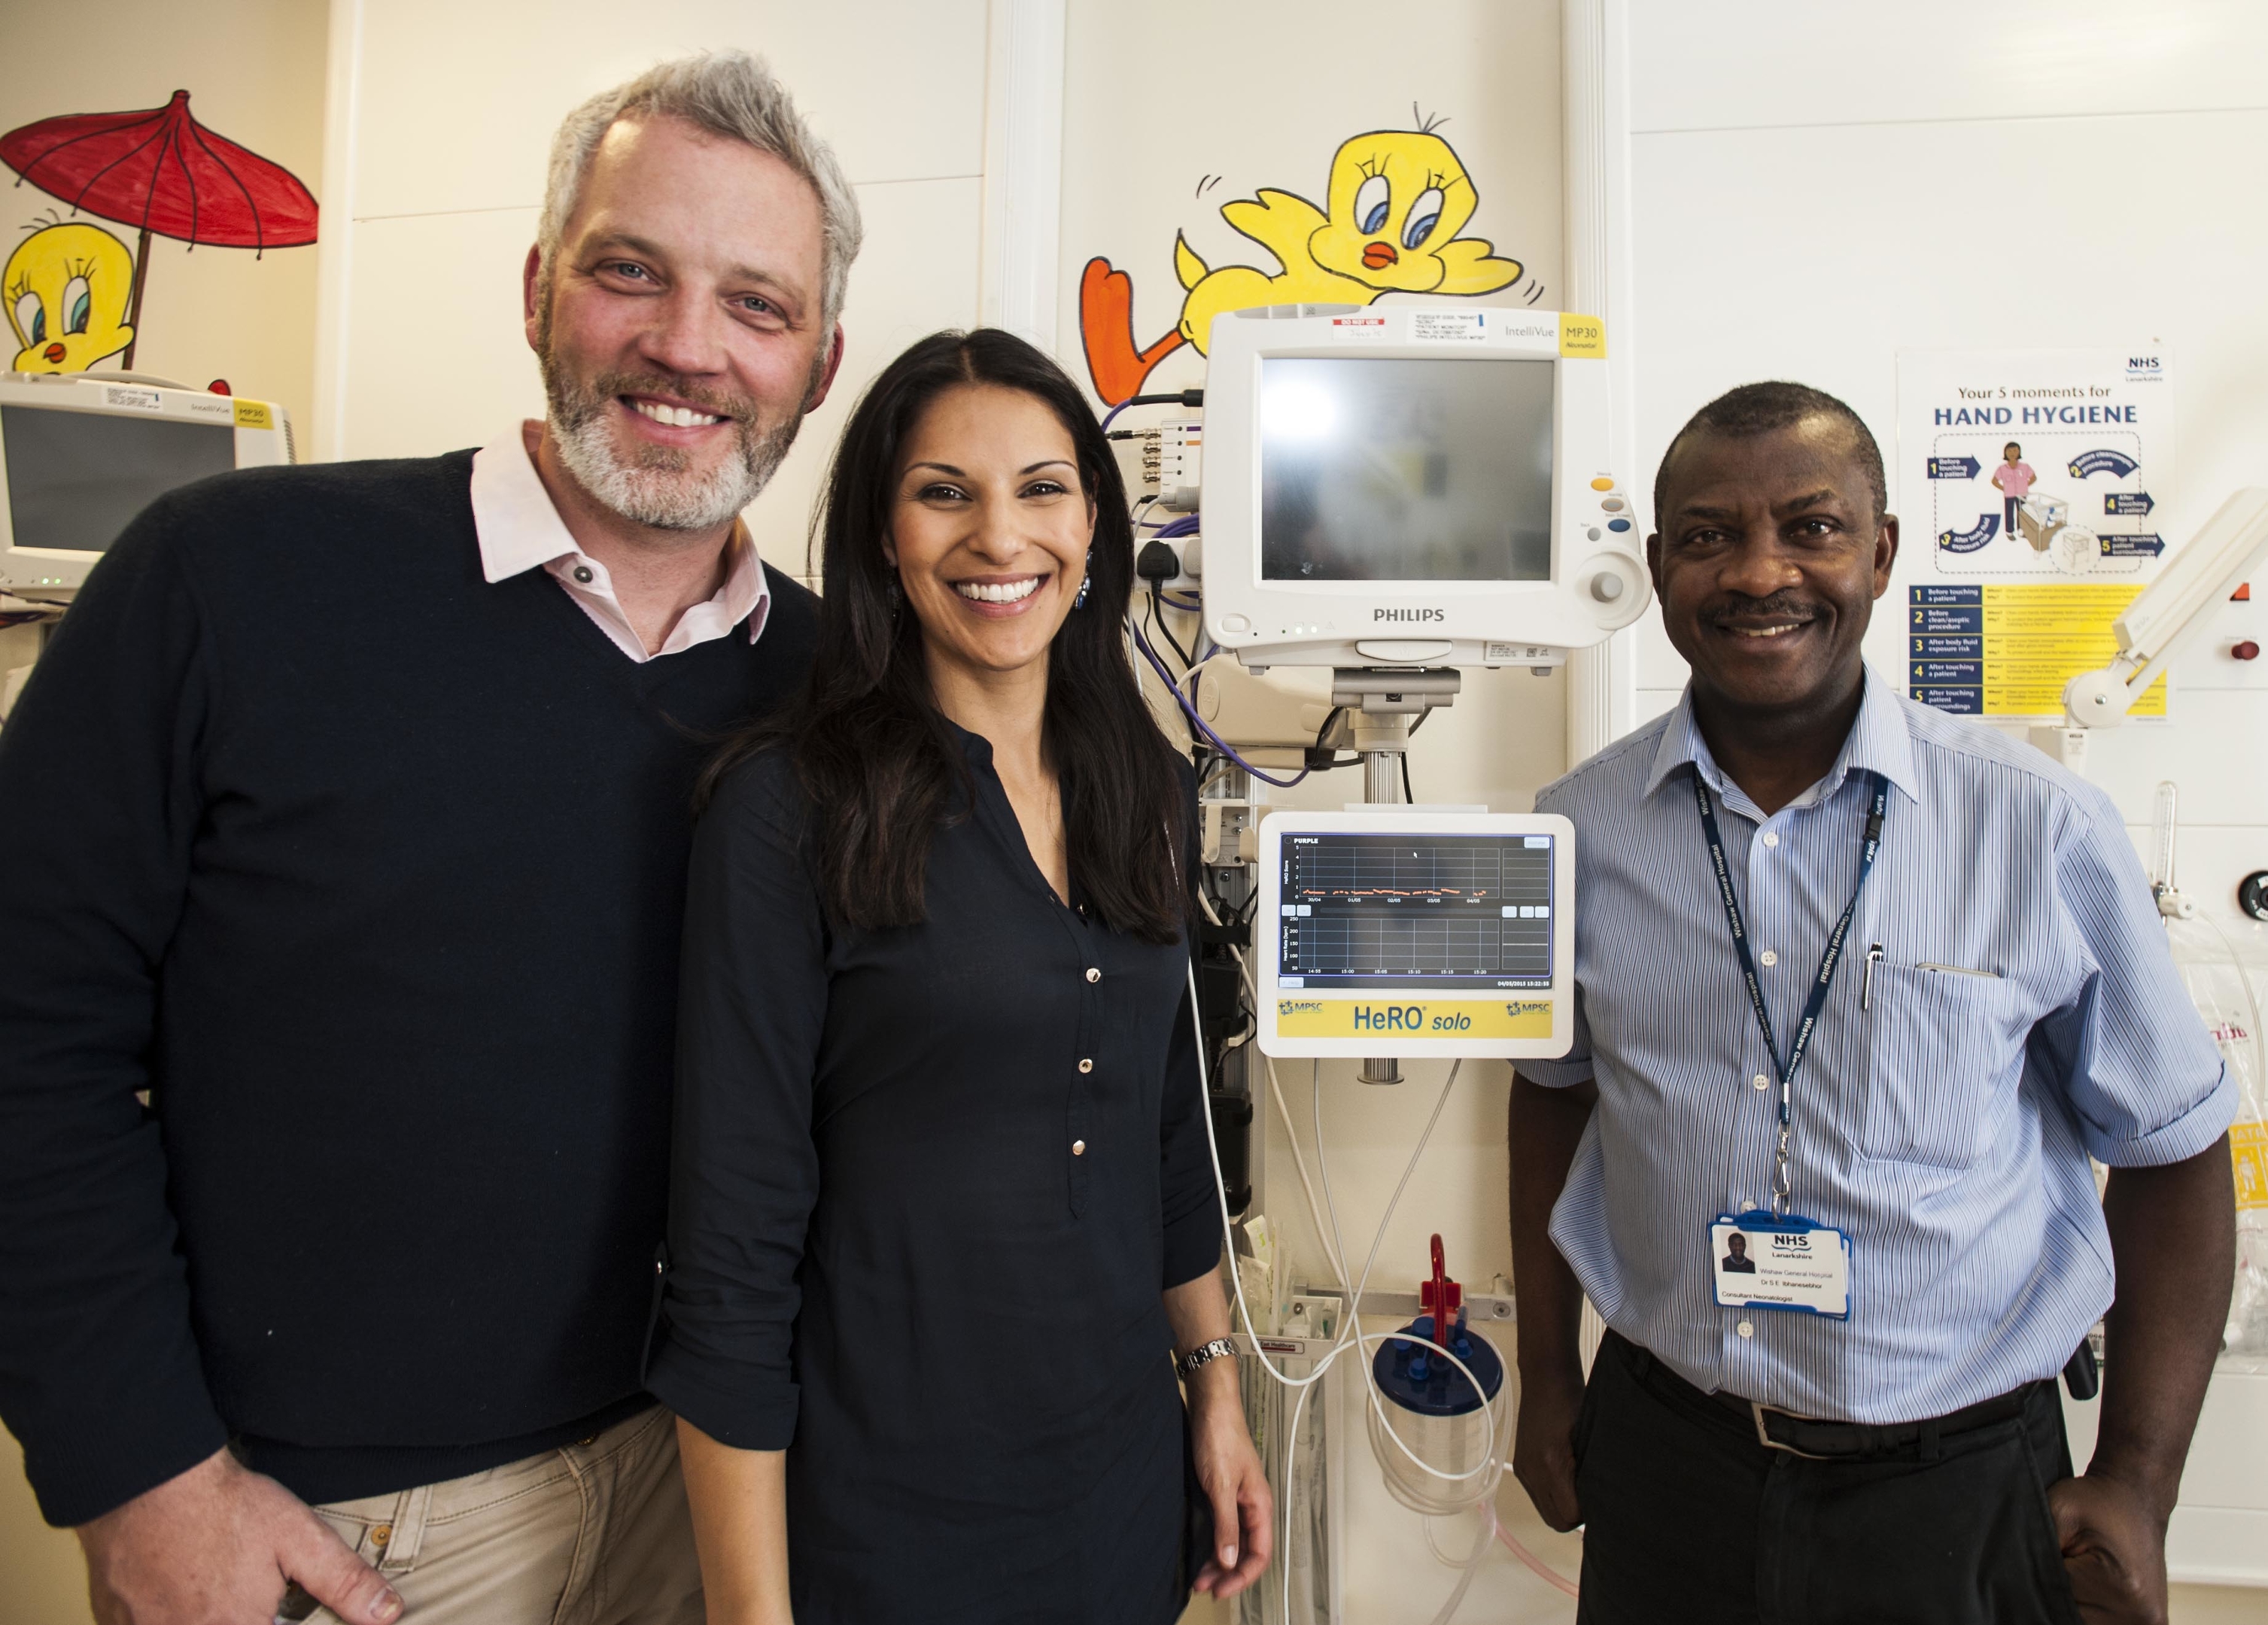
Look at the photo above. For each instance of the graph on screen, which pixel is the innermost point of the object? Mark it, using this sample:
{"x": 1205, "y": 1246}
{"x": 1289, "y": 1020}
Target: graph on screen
{"x": 1380, "y": 910}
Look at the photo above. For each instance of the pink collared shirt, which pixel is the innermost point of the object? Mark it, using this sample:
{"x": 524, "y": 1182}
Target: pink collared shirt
{"x": 520, "y": 530}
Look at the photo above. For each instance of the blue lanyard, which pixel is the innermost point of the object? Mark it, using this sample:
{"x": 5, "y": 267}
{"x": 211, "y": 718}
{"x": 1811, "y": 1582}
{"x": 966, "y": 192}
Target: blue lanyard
{"x": 1817, "y": 1001}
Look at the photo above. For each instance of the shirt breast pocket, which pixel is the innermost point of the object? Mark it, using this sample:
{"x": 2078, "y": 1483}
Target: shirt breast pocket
{"x": 1942, "y": 1047}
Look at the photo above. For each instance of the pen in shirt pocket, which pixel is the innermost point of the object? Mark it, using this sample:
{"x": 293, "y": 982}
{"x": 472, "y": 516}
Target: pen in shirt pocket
{"x": 1875, "y": 959}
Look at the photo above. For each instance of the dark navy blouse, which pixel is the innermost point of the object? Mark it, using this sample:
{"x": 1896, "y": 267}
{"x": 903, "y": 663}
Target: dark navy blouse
{"x": 930, "y": 1186}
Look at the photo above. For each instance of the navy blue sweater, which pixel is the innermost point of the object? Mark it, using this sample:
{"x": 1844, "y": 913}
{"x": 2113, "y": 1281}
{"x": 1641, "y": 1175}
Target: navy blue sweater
{"x": 372, "y": 873}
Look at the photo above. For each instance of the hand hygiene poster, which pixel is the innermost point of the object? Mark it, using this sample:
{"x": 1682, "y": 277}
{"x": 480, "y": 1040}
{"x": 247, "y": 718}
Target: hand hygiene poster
{"x": 2033, "y": 486}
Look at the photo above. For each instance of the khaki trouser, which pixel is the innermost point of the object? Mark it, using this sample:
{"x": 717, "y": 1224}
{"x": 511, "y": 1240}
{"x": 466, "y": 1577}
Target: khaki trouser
{"x": 590, "y": 1533}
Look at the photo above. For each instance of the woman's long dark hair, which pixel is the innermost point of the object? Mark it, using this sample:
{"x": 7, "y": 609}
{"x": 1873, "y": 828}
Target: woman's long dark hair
{"x": 880, "y": 764}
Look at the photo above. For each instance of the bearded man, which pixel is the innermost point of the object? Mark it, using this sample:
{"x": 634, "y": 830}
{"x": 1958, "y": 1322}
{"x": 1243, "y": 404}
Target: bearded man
{"x": 335, "y": 1054}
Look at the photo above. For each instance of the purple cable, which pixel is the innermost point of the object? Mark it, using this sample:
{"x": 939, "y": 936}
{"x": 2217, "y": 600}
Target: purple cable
{"x": 1198, "y": 722}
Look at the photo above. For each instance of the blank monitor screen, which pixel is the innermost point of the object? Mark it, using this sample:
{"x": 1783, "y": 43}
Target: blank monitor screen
{"x": 76, "y": 479}
{"x": 1389, "y": 912}
{"x": 1375, "y": 469}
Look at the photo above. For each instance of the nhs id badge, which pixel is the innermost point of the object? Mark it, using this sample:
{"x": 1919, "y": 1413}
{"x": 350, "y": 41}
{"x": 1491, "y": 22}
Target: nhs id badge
{"x": 1763, "y": 1262}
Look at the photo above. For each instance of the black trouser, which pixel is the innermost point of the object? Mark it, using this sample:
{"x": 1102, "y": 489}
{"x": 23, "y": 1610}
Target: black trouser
{"x": 1689, "y": 1518}
{"x": 2015, "y": 507}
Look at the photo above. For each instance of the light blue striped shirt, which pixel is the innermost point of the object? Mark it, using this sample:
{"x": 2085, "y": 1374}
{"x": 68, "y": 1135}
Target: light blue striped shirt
{"x": 1945, "y": 1129}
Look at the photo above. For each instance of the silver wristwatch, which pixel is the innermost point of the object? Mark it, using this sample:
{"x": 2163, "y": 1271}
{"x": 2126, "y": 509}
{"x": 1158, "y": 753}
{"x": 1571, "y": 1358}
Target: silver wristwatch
{"x": 1204, "y": 1354}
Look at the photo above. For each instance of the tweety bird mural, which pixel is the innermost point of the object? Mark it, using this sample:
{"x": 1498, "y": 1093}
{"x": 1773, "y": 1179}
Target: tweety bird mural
{"x": 67, "y": 288}
{"x": 1396, "y": 201}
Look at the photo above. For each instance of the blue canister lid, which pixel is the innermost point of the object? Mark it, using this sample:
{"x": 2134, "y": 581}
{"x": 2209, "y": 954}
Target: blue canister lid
{"x": 1411, "y": 1372}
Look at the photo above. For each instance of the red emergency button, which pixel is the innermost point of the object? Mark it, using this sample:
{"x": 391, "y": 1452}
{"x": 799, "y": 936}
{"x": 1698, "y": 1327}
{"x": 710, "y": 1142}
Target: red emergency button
{"x": 2246, "y": 650}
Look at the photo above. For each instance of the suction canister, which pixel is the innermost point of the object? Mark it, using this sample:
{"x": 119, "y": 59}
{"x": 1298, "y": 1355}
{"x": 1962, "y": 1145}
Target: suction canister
{"x": 1439, "y": 1446}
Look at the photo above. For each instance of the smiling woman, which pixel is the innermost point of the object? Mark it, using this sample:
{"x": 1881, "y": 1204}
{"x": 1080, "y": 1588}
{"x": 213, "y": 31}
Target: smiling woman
{"x": 967, "y": 1099}
{"x": 949, "y": 597}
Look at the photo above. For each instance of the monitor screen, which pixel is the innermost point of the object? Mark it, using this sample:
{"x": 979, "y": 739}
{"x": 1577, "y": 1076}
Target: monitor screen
{"x": 1375, "y": 469}
{"x": 1386, "y": 912}
{"x": 76, "y": 479}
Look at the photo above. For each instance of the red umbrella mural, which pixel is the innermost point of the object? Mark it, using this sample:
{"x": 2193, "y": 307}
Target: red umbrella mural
{"x": 162, "y": 173}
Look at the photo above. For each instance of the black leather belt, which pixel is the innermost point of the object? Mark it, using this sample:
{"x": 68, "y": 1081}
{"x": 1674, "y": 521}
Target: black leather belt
{"x": 1818, "y": 1440}
{"x": 1858, "y": 1441}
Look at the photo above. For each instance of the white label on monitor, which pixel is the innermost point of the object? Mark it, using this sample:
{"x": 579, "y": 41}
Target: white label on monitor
{"x": 119, "y": 395}
{"x": 1518, "y": 654}
{"x": 1448, "y": 326}
{"x": 1359, "y": 327}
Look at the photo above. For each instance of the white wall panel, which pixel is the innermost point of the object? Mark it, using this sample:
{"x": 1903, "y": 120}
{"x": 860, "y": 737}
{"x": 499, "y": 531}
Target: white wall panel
{"x": 461, "y": 100}
{"x": 438, "y": 361}
{"x": 2205, "y": 749}
{"x": 1784, "y": 63}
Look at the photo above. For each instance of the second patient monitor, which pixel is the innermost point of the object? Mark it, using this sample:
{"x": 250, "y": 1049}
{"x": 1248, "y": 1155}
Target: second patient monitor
{"x": 1398, "y": 931}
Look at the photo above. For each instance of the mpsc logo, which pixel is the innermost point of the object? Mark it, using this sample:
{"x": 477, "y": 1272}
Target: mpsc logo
{"x": 2144, "y": 366}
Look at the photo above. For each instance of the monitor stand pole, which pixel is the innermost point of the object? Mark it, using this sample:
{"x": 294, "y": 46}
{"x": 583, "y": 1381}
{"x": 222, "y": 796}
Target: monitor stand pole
{"x": 1382, "y": 702}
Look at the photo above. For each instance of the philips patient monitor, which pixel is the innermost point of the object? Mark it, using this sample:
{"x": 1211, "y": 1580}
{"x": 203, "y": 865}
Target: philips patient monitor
{"x": 1405, "y": 933}
{"x": 1412, "y": 486}
{"x": 80, "y": 455}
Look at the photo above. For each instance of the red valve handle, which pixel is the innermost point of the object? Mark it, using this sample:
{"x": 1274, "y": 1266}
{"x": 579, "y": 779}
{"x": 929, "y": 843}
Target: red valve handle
{"x": 1441, "y": 1295}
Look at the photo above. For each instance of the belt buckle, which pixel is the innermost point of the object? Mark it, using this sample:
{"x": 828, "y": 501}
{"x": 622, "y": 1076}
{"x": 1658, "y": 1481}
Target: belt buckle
{"x": 1757, "y": 1409}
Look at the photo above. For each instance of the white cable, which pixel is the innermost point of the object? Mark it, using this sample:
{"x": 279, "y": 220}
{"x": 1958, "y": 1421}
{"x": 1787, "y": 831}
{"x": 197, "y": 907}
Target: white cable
{"x": 1220, "y": 1195}
{"x": 1291, "y": 1132}
{"x": 1360, "y": 1341}
{"x": 1329, "y": 1243}
{"x": 1370, "y": 1377}
{"x": 1350, "y": 1335}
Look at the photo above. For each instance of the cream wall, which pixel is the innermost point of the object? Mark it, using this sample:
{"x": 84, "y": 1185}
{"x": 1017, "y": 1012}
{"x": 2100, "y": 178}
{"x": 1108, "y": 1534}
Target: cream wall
{"x": 439, "y": 157}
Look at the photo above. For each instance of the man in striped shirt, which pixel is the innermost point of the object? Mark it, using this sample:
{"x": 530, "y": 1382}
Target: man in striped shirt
{"x": 2004, "y": 1009}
